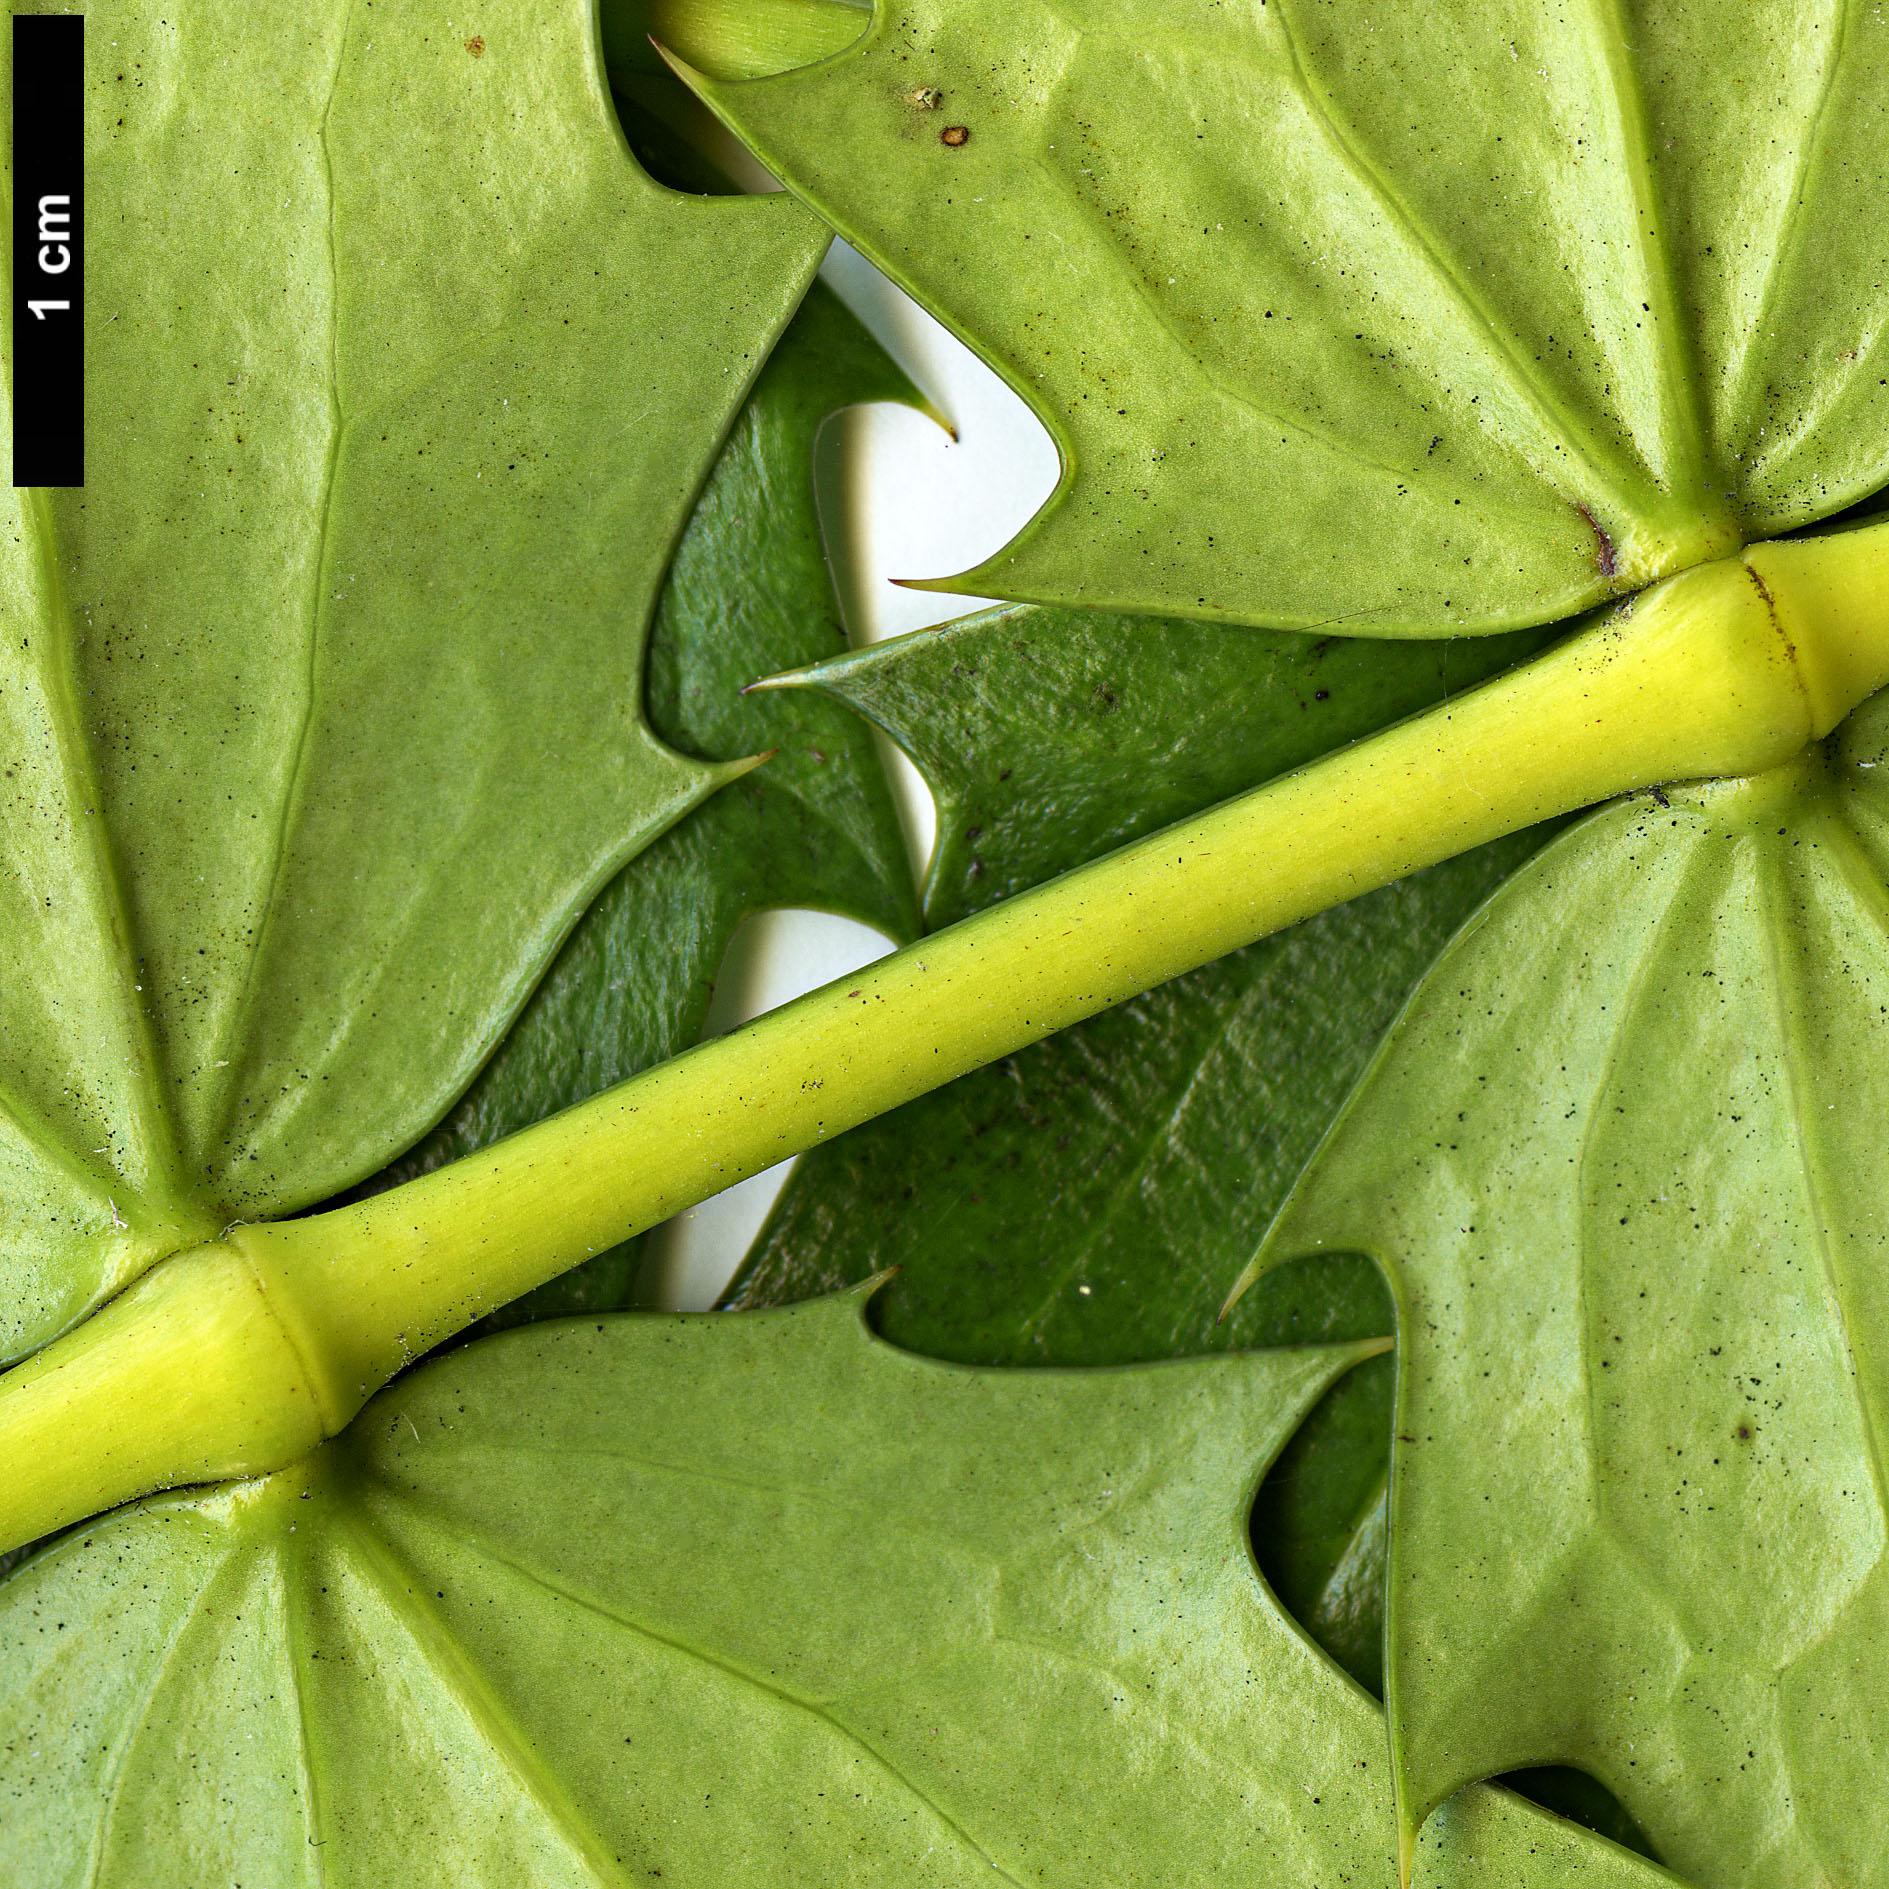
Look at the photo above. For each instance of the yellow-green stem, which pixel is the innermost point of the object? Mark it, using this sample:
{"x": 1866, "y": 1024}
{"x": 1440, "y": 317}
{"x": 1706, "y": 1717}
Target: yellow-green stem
{"x": 235, "y": 1357}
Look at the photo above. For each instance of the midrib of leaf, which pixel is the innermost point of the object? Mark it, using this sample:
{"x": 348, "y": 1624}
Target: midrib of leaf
{"x": 222, "y": 1115}
{"x": 1785, "y": 237}
{"x": 1652, "y": 951}
{"x": 428, "y": 1516}
{"x": 156, "y": 1128}
{"x": 296, "y": 1580}
{"x": 187, "y": 1628}
{"x": 1680, "y": 382}
{"x": 694, "y": 1473}
{"x": 1787, "y": 974}
{"x": 1157, "y": 1130}
{"x": 376, "y": 1560}
{"x": 1555, "y": 424}
{"x": 1242, "y": 397}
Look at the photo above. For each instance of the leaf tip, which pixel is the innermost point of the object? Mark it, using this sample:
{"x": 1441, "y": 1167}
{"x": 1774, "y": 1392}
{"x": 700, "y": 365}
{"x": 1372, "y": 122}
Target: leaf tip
{"x": 862, "y": 1293}
{"x": 949, "y": 585}
{"x": 786, "y": 679}
{"x": 727, "y": 772}
{"x": 687, "y": 73}
{"x": 1241, "y": 1286}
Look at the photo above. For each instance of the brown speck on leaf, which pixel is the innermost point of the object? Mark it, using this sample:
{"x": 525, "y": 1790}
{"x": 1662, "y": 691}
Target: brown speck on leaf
{"x": 1744, "y": 1433}
{"x": 927, "y": 98}
{"x": 475, "y": 46}
{"x": 955, "y": 135}
{"x": 1603, "y": 545}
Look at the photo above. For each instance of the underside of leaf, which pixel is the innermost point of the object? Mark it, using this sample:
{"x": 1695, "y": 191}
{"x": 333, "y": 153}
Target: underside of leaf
{"x": 1619, "y": 1159}
{"x": 749, "y": 590}
{"x": 1412, "y": 323}
{"x": 327, "y": 687}
{"x": 731, "y": 1600}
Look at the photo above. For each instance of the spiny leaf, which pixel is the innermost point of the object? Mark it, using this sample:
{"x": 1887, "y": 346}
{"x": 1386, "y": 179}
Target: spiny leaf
{"x": 1084, "y": 1201}
{"x": 722, "y": 1600}
{"x": 1621, "y": 1161}
{"x": 749, "y": 591}
{"x": 734, "y": 39}
{"x": 1049, "y": 736}
{"x": 321, "y": 700}
{"x": 1397, "y": 320}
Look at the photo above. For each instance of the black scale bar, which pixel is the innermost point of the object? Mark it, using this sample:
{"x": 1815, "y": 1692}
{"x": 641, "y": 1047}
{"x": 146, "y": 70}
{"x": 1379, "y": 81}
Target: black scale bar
{"x": 48, "y": 249}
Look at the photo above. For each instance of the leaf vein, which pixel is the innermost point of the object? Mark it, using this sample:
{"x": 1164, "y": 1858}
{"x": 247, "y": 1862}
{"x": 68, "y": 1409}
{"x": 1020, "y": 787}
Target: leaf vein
{"x": 1787, "y": 975}
{"x": 1790, "y": 230}
{"x": 108, "y": 1806}
{"x": 1679, "y": 385}
{"x": 1555, "y": 424}
{"x": 400, "y": 1592}
{"x": 223, "y": 1113}
{"x": 675, "y": 1644}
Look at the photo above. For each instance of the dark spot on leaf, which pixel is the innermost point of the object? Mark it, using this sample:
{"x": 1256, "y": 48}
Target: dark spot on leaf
{"x": 955, "y": 135}
{"x": 1603, "y": 545}
{"x": 475, "y": 46}
{"x": 1744, "y": 1433}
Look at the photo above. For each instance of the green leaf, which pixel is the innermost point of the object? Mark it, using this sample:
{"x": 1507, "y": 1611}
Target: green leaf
{"x": 816, "y": 826}
{"x": 1400, "y": 320}
{"x": 725, "y": 1600}
{"x": 1085, "y": 1201}
{"x": 320, "y": 702}
{"x": 1049, "y": 737}
{"x": 734, "y": 39}
{"x": 1621, "y": 1160}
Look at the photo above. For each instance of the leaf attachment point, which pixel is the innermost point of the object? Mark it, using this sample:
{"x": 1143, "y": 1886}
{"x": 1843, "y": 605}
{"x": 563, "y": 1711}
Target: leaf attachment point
{"x": 747, "y": 1598}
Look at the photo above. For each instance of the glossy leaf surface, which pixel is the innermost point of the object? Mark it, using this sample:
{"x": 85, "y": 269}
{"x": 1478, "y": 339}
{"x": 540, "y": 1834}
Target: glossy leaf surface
{"x": 1621, "y": 1161}
{"x": 1397, "y": 321}
{"x": 321, "y": 702}
{"x": 815, "y": 826}
{"x": 1048, "y": 737}
{"x": 967, "y": 1626}
{"x": 1084, "y": 1202}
